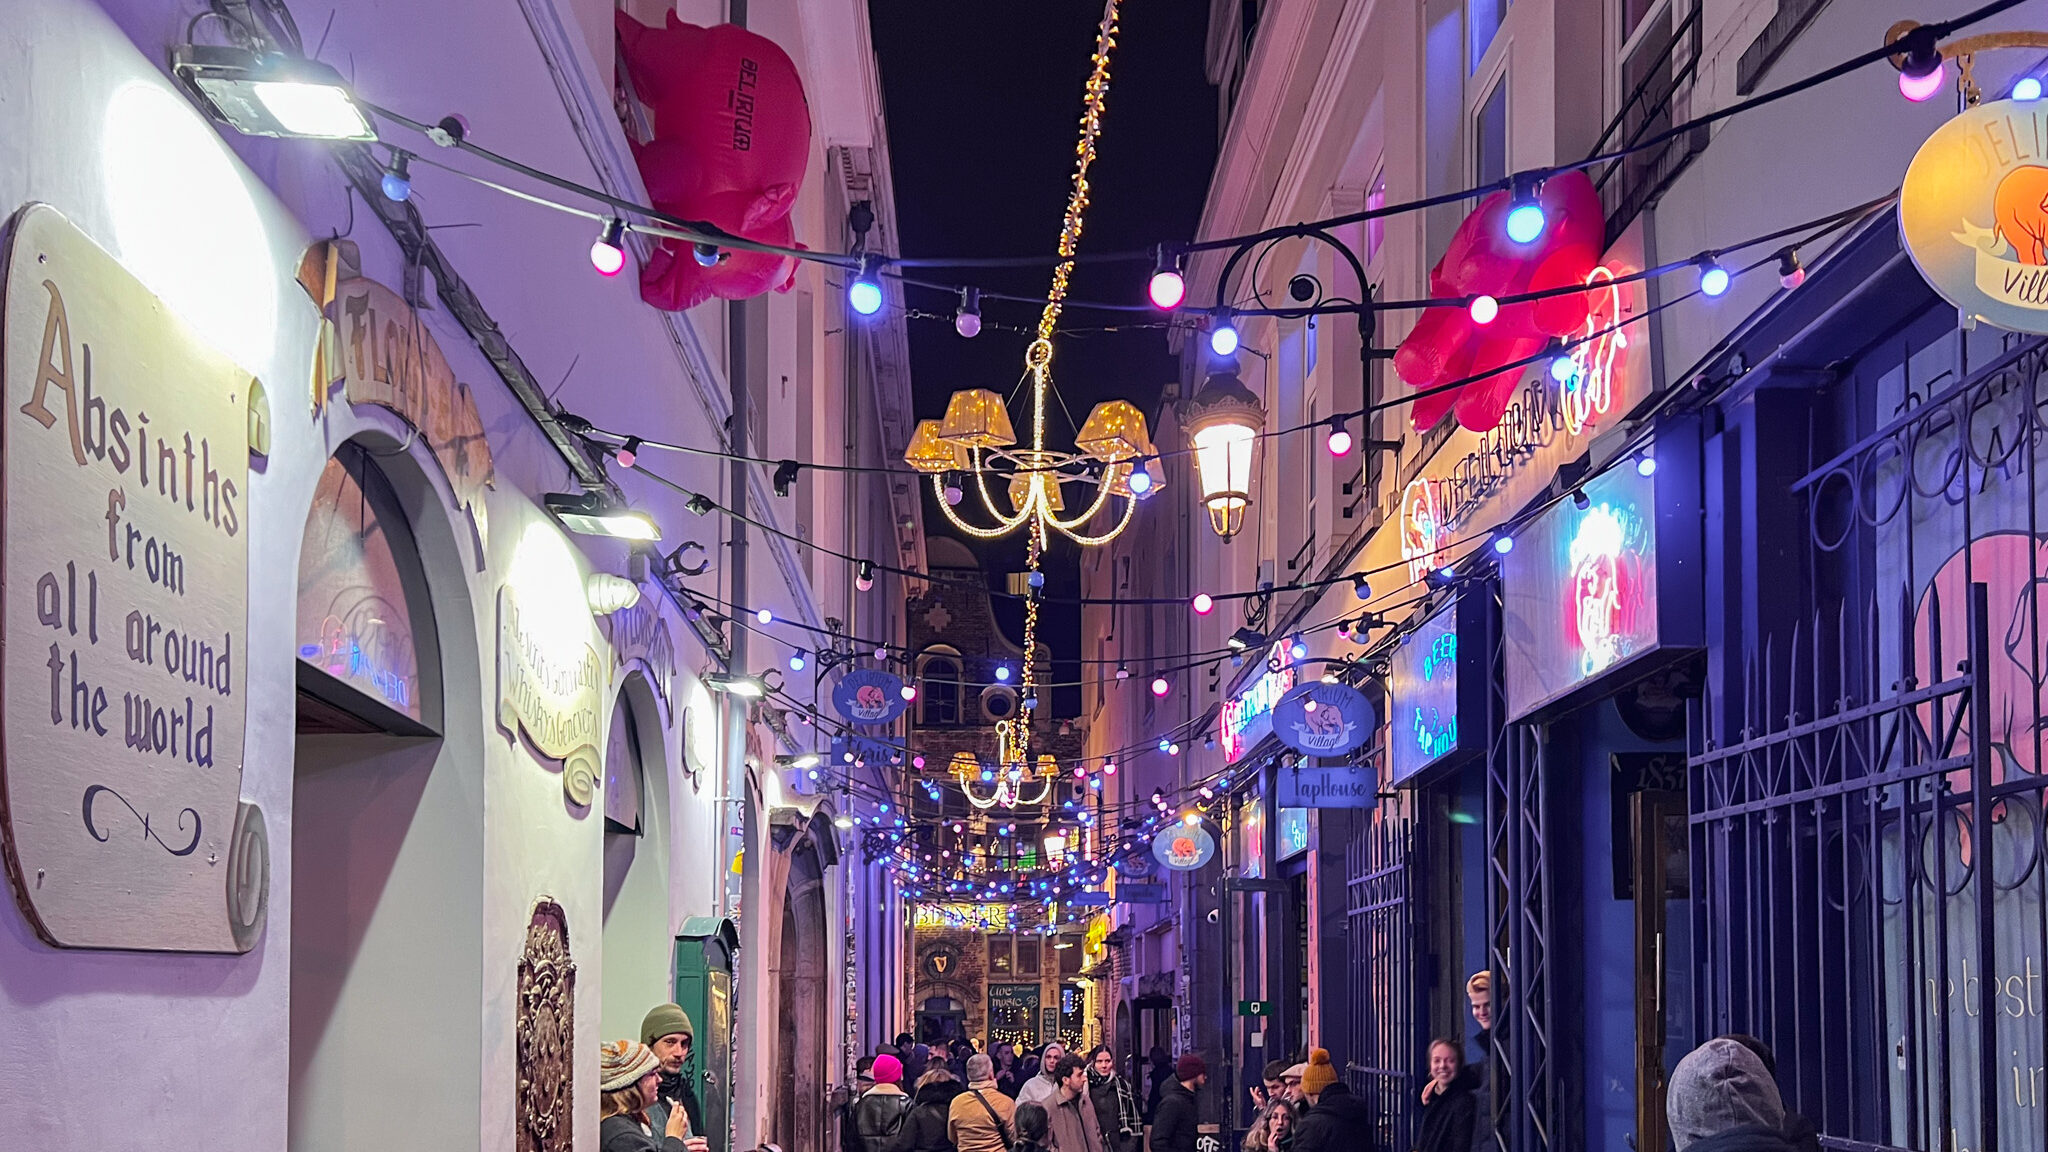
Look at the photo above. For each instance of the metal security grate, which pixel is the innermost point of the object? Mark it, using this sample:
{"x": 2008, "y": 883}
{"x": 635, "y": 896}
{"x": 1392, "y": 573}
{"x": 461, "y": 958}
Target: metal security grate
{"x": 1388, "y": 1029}
{"x": 1866, "y": 787}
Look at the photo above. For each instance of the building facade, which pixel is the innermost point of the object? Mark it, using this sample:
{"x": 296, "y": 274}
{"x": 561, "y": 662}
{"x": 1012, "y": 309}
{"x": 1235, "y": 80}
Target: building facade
{"x": 462, "y": 802}
{"x": 1689, "y": 712}
{"x": 981, "y": 967}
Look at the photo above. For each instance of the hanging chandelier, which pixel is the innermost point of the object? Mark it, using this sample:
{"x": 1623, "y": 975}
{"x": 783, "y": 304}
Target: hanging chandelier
{"x": 1010, "y": 776}
{"x": 975, "y": 444}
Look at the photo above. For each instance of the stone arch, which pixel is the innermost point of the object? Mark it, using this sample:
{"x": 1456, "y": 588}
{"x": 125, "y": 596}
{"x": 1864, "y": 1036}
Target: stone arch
{"x": 802, "y": 971}
{"x": 386, "y": 884}
{"x": 638, "y": 939}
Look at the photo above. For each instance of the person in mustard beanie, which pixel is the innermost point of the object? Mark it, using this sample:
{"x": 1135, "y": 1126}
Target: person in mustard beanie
{"x": 1336, "y": 1121}
{"x": 627, "y": 1074}
{"x": 667, "y": 1031}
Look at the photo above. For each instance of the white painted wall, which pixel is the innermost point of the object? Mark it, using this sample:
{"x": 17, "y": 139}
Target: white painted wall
{"x": 217, "y": 228}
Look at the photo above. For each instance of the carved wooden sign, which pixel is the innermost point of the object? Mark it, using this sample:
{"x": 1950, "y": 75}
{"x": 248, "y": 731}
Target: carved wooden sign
{"x": 126, "y": 458}
{"x": 551, "y": 695}
{"x": 374, "y": 342}
{"x": 545, "y": 1033}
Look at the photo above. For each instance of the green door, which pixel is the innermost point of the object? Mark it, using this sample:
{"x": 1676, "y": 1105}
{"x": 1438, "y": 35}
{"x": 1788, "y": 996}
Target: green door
{"x": 704, "y": 958}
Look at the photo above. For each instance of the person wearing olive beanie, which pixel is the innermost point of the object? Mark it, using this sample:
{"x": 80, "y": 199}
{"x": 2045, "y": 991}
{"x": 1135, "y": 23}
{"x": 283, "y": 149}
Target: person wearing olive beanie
{"x": 668, "y": 1032}
{"x": 1336, "y": 1121}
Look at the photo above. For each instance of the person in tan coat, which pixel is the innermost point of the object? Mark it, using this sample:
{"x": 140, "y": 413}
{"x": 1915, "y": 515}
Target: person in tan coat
{"x": 981, "y": 1118}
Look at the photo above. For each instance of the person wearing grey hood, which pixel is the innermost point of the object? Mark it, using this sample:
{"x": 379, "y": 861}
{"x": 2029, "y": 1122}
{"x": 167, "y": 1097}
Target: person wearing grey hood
{"x": 1722, "y": 1099}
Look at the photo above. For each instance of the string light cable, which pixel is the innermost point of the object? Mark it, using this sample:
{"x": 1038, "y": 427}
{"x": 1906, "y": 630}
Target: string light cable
{"x": 698, "y": 231}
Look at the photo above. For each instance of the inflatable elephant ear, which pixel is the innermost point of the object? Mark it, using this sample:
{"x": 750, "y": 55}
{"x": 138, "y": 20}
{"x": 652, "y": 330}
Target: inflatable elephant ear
{"x": 731, "y": 141}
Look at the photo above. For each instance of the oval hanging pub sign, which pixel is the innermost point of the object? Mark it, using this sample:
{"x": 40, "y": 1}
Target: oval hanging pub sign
{"x": 1974, "y": 213}
{"x": 1319, "y": 719}
{"x": 1183, "y": 847}
{"x": 869, "y": 696}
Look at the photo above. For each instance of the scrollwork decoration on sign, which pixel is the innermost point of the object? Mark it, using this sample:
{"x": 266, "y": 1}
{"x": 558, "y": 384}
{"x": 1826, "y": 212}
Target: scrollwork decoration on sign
{"x": 546, "y": 1033}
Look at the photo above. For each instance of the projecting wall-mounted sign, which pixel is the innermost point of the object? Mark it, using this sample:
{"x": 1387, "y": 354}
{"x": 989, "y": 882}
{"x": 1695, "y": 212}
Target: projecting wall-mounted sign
{"x": 869, "y": 696}
{"x": 1248, "y": 716}
{"x": 1319, "y": 719}
{"x": 1183, "y": 847}
{"x": 1974, "y": 213}
{"x": 126, "y": 569}
{"x": 1436, "y": 681}
{"x": 1588, "y": 591}
{"x": 1302, "y": 783}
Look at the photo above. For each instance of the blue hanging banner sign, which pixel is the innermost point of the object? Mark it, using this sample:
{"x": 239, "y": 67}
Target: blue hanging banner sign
{"x": 1141, "y": 893}
{"x": 1304, "y": 785}
{"x": 1319, "y": 719}
{"x": 869, "y": 696}
{"x": 1183, "y": 847}
{"x": 1088, "y": 899}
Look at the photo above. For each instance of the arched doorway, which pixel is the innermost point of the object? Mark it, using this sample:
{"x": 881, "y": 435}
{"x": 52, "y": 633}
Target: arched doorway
{"x": 802, "y": 966}
{"x": 639, "y": 943}
{"x": 386, "y": 822}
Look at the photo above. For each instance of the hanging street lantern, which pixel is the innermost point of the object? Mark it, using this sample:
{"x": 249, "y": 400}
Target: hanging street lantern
{"x": 1224, "y": 422}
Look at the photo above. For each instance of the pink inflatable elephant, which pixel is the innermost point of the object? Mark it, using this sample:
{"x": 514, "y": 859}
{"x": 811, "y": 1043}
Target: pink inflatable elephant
{"x": 1446, "y": 345}
{"x": 732, "y": 136}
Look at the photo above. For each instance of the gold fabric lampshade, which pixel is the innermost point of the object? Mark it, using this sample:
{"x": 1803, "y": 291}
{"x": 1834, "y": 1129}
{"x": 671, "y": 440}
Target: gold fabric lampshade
{"x": 976, "y": 418}
{"x": 1114, "y": 430}
{"x": 1020, "y": 489}
{"x": 930, "y": 452}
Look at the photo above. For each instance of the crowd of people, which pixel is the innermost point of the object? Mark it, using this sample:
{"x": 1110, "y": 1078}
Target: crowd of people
{"x": 952, "y": 1097}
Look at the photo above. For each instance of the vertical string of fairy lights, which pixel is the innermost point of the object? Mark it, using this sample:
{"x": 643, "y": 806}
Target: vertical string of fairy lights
{"x": 1038, "y": 358}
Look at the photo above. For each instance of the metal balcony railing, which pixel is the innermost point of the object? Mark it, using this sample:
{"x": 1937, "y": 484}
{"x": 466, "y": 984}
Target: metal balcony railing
{"x": 1662, "y": 76}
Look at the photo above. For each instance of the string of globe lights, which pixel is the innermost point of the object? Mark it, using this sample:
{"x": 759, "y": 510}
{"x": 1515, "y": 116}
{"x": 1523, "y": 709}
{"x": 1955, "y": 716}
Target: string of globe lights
{"x": 1716, "y": 279}
{"x": 1915, "y": 50}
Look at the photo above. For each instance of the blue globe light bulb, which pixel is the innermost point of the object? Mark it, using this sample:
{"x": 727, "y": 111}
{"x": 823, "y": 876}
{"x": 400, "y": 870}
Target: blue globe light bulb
{"x": 1223, "y": 339}
{"x": 865, "y": 296}
{"x": 1525, "y": 222}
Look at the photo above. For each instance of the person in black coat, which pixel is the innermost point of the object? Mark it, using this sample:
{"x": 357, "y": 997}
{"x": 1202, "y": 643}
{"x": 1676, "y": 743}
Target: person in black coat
{"x": 1450, "y": 1116}
{"x": 1174, "y": 1120}
{"x": 924, "y": 1128}
{"x": 1336, "y": 1121}
{"x": 878, "y": 1115}
{"x": 1161, "y": 1072}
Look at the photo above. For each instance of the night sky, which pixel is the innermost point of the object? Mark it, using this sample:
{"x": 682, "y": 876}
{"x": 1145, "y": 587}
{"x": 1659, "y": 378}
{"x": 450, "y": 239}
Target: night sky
{"x": 984, "y": 104}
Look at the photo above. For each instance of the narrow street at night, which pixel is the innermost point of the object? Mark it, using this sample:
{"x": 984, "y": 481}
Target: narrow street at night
{"x": 1030, "y": 576}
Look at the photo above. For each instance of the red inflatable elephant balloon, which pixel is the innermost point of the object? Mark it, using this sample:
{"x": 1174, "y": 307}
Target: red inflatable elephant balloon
{"x": 1447, "y": 346}
{"x": 732, "y": 136}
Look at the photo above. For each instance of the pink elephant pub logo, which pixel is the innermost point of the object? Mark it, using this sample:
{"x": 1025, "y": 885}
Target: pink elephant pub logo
{"x": 1974, "y": 213}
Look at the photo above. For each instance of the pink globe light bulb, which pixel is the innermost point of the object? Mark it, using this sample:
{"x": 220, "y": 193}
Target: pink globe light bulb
{"x": 1167, "y": 289}
{"x": 1919, "y": 89}
{"x": 1204, "y": 604}
{"x": 1484, "y": 309}
{"x": 1160, "y": 687}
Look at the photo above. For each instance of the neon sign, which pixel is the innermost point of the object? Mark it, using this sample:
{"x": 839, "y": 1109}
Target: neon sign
{"x": 1589, "y": 393}
{"x": 1423, "y": 680}
{"x": 1249, "y": 715}
{"x": 1588, "y": 592}
{"x": 985, "y": 917}
{"x": 1604, "y": 588}
{"x": 1424, "y": 528}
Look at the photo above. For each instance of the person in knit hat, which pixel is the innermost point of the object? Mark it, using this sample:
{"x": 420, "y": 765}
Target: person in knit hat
{"x": 628, "y": 1074}
{"x": 1336, "y": 1121}
{"x": 666, "y": 1029}
{"x": 878, "y": 1114}
{"x": 1174, "y": 1123}
{"x": 1722, "y": 1099}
